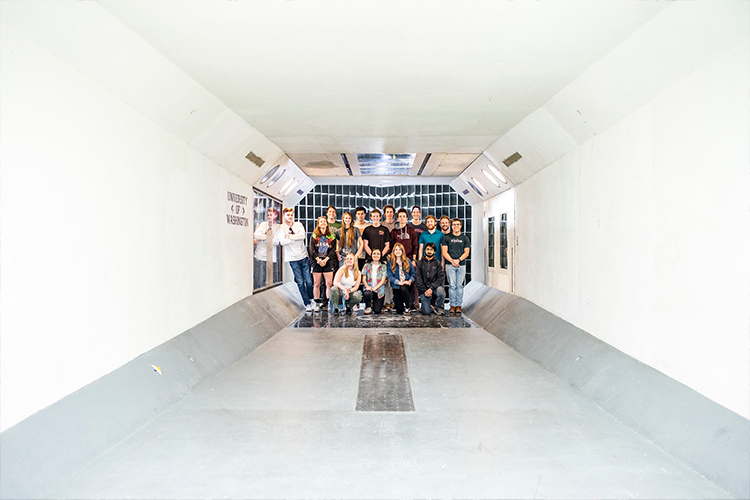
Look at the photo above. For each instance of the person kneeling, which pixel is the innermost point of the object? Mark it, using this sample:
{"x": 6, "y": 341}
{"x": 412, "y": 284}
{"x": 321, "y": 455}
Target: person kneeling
{"x": 345, "y": 285}
{"x": 430, "y": 276}
{"x": 401, "y": 275}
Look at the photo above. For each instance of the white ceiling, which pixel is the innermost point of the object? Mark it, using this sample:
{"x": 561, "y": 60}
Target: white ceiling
{"x": 321, "y": 78}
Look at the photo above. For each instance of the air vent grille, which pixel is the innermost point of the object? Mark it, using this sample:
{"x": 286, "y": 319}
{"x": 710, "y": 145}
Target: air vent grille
{"x": 512, "y": 159}
{"x": 255, "y": 159}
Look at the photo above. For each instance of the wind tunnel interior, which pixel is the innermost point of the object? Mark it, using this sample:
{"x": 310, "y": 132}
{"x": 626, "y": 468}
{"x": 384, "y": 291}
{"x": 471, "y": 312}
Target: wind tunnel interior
{"x": 123, "y": 251}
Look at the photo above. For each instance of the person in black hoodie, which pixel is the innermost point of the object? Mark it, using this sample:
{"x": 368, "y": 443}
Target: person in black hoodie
{"x": 430, "y": 276}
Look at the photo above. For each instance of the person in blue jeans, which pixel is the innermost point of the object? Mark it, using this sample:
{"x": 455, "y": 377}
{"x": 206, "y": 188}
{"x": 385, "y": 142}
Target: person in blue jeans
{"x": 430, "y": 278}
{"x": 291, "y": 236}
{"x": 455, "y": 248}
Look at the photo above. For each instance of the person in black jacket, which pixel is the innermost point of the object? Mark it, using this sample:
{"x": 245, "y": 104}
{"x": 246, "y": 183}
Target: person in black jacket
{"x": 430, "y": 276}
{"x": 322, "y": 252}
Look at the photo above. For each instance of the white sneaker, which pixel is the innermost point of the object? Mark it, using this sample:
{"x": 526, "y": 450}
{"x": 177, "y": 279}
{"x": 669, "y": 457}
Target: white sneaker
{"x": 309, "y": 307}
{"x": 317, "y": 307}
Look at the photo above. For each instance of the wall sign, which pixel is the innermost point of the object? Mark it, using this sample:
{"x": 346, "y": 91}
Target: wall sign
{"x": 237, "y": 209}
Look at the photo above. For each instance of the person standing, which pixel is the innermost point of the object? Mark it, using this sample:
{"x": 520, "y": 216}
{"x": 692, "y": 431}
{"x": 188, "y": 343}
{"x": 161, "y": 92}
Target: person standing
{"x": 263, "y": 274}
{"x": 432, "y": 235}
{"x": 346, "y": 285}
{"x": 291, "y": 237}
{"x": 416, "y": 221}
{"x": 456, "y": 247}
{"x": 331, "y": 217}
{"x": 375, "y": 277}
{"x": 360, "y": 213}
{"x": 445, "y": 225}
{"x": 389, "y": 212}
{"x": 349, "y": 238}
{"x": 401, "y": 275}
{"x": 376, "y": 236}
{"x": 430, "y": 277}
{"x": 322, "y": 252}
{"x": 406, "y": 235}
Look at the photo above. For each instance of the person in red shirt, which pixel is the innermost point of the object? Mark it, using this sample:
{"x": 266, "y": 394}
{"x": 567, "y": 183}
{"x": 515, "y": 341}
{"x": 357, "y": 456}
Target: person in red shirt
{"x": 406, "y": 235}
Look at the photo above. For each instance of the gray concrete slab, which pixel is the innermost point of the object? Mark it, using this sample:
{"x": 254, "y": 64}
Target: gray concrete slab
{"x": 489, "y": 423}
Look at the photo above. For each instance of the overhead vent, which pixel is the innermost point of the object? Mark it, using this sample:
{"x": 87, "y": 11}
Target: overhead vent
{"x": 320, "y": 164}
{"x": 424, "y": 163}
{"x": 255, "y": 159}
{"x": 346, "y": 163}
{"x": 385, "y": 164}
{"x": 512, "y": 159}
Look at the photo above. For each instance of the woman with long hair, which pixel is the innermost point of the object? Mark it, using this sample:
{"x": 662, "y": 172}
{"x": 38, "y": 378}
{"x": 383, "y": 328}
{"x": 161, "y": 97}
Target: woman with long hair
{"x": 374, "y": 276}
{"x": 345, "y": 286}
{"x": 350, "y": 238}
{"x": 401, "y": 276}
{"x": 322, "y": 250}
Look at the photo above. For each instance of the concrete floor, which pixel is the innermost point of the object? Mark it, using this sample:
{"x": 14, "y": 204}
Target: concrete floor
{"x": 488, "y": 423}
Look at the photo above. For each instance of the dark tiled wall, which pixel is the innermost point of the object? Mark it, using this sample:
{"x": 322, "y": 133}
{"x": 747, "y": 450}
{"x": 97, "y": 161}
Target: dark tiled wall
{"x": 433, "y": 199}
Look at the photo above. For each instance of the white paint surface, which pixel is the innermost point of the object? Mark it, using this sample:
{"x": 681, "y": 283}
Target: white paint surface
{"x": 640, "y": 235}
{"x": 114, "y": 236}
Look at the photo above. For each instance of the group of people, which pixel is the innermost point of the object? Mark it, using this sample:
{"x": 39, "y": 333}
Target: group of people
{"x": 389, "y": 263}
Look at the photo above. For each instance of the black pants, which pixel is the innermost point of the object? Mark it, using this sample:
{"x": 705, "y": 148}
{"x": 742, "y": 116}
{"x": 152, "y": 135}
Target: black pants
{"x": 372, "y": 300}
{"x": 403, "y": 295}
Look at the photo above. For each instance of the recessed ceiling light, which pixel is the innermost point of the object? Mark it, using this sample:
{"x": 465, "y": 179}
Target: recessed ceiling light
{"x": 472, "y": 186}
{"x": 286, "y": 186}
{"x": 497, "y": 173}
{"x": 276, "y": 178}
{"x": 269, "y": 174}
{"x": 480, "y": 185}
{"x": 491, "y": 179}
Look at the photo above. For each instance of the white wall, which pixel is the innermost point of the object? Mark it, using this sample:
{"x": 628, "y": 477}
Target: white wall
{"x": 114, "y": 235}
{"x": 640, "y": 235}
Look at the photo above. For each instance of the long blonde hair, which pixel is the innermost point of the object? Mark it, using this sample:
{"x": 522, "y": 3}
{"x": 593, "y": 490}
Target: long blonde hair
{"x": 347, "y": 235}
{"x": 355, "y": 267}
{"x": 404, "y": 259}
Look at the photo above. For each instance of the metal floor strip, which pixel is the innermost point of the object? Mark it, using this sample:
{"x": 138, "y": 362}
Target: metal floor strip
{"x": 384, "y": 377}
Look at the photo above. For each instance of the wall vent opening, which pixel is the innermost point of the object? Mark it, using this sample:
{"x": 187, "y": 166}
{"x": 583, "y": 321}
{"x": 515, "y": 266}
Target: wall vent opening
{"x": 255, "y": 159}
{"x": 512, "y": 159}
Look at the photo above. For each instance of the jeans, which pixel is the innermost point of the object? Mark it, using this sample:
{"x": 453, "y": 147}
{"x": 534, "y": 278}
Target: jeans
{"x": 337, "y": 297}
{"x": 438, "y": 294}
{"x": 303, "y": 278}
{"x": 456, "y": 277}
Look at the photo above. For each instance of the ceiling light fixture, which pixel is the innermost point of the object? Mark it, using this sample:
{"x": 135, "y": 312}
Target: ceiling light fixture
{"x": 286, "y": 186}
{"x": 497, "y": 173}
{"x": 481, "y": 186}
{"x": 472, "y": 186}
{"x": 269, "y": 174}
{"x": 276, "y": 178}
{"x": 490, "y": 178}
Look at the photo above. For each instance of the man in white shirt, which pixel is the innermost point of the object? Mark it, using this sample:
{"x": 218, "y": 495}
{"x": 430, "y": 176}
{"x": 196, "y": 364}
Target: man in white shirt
{"x": 291, "y": 236}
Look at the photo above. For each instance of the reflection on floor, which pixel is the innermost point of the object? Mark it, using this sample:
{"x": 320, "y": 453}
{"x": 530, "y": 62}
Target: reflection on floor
{"x": 358, "y": 319}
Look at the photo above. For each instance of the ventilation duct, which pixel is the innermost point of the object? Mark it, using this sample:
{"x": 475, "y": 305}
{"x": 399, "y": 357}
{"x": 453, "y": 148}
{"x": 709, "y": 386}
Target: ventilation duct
{"x": 255, "y": 159}
{"x": 512, "y": 159}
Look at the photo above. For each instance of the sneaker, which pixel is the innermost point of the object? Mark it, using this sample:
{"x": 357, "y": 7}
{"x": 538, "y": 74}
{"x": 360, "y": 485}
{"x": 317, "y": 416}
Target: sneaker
{"x": 407, "y": 312}
{"x": 453, "y": 311}
{"x": 317, "y": 306}
{"x": 458, "y": 310}
{"x": 355, "y": 307}
{"x": 309, "y": 307}
{"x": 341, "y": 311}
{"x": 368, "y": 310}
{"x": 348, "y": 311}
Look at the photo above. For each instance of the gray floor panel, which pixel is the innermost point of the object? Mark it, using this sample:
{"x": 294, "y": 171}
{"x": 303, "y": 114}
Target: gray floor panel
{"x": 281, "y": 423}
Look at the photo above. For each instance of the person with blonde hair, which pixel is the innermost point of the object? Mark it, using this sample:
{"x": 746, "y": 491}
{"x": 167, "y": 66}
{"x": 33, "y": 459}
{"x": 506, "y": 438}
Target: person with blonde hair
{"x": 322, "y": 251}
{"x": 401, "y": 276}
{"x": 345, "y": 286}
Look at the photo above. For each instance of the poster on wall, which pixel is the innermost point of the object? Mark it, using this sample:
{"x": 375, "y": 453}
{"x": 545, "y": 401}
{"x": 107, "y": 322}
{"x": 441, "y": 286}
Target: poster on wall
{"x": 237, "y": 211}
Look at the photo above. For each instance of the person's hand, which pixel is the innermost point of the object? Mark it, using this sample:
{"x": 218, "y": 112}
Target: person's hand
{"x": 428, "y": 293}
{"x": 456, "y": 263}
{"x": 346, "y": 294}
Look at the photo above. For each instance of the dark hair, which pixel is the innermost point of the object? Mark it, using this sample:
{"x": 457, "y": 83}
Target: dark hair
{"x": 331, "y": 207}
{"x": 430, "y": 245}
{"x": 402, "y": 211}
{"x": 417, "y": 207}
{"x": 375, "y": 211}
{"x": 458, "y": 220}
{"x": 360, "y": 209}
{"x": 389, "y": 206}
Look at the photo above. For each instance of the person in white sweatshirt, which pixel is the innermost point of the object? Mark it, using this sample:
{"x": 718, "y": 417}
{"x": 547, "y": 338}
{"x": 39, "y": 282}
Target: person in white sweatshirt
{"x": 291, "y": 236}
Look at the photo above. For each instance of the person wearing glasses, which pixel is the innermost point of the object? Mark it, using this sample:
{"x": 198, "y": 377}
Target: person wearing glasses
{"x": 291, "y": 237}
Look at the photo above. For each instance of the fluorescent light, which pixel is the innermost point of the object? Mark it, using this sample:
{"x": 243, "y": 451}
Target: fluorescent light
{"x": 480, "y": 185}
{"x": 497, "y": 173}
{"x": 276, "y": 178}
{"x": 288, "y": 183}
{"x": 491, "y": 179}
